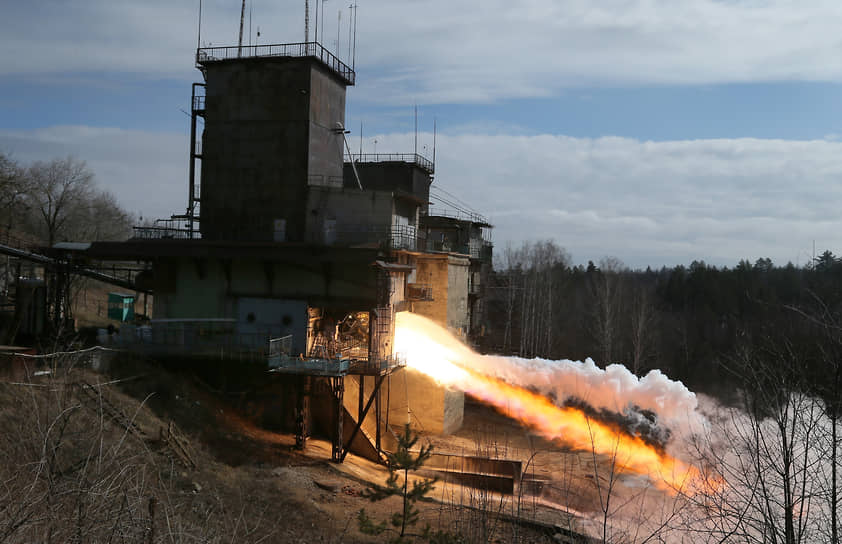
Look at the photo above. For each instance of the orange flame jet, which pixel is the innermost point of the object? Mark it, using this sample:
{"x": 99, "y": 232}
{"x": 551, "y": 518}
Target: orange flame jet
{"x": 433, "y": 351}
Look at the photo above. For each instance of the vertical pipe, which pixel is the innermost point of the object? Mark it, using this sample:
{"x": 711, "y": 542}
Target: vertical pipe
{"x": 434, "y": 142}
{"x": 350, "y": 27}
{"x": 192, "y": 174}
{"x": 338, "y": 28}
{"x": 316, "y": 31}
{"x": 416, "y": 129}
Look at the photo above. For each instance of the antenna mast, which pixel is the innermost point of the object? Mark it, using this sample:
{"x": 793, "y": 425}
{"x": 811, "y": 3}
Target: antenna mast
{"x": 199, "y": 39}
{"x": 354, "y": 52}
{"x": 323, "y": 20}
{"x": 416, "y": 129}
{"x": 350, "y": 28}
{"x": 242, "y": 18}
{"x": 306, "y": 21}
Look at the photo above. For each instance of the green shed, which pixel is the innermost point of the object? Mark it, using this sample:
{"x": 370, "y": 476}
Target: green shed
{"x": 121, "y": 307}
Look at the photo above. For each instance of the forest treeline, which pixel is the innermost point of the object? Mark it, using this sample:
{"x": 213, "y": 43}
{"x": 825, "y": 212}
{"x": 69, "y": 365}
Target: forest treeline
{"x": 765, "y": 339}
{"x": 58, "y": 200}
{"x": 688, "y": 321}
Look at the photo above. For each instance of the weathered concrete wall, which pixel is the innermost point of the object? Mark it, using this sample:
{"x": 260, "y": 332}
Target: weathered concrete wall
{"x": 390, "y": 176}
{"x": 448, "y": 274}
{"x": 210, "y": 288}
{"x": 457, "y": 294}
{"x": 432, "y": 269}
{"x": 427, "y": 406}
{"x": 327, "y": 113}
{"x": 268, "y": 130}
{"x": 351, "y": 215}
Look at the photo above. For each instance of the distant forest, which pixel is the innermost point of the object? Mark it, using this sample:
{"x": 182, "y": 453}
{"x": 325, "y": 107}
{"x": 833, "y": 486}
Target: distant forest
{"x": 696, "y": 323}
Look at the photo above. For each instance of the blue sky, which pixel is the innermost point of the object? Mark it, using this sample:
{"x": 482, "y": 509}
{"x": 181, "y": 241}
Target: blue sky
{"x": 655, "y": 131}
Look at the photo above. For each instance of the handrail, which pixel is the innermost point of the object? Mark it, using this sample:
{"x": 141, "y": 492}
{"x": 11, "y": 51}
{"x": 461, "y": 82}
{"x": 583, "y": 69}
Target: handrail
{"x": 302, "y": 49}
{"x": 411, "y": 158}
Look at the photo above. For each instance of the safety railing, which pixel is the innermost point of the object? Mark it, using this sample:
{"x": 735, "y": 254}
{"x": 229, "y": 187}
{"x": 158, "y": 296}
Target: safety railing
{"x": 419, "y": 292}
{"x": 404, "y": 237}
{"x": 446, "y": 246}
{"x": 304, "y": 49}
{"x": 176, "y": 228}
{"x": 436, "y": 210}
{"x": 411, "y": 158}
{"x": 280, "y": 346}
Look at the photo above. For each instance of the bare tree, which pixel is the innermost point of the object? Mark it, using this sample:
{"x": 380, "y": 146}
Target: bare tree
{"x": 104, "y": 219}
{"x": 13, "y": 186}
{"x": 763, "y": 459}
{"x": 58, "y": 194}
{"x": 643, "y": 329}
{"x": 606, "y": 286}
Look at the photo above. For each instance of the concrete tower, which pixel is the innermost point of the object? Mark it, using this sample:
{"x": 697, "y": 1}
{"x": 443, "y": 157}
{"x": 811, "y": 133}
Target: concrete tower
{"x": 274, "y": 118}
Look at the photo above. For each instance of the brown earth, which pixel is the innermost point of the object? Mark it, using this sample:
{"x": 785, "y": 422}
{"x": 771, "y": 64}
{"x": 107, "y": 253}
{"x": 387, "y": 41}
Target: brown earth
{"x": 150, "y": 456}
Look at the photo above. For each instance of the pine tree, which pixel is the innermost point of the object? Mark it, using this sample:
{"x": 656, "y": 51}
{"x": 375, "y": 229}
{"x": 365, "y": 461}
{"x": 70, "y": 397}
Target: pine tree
{"x": 400, "y": 464}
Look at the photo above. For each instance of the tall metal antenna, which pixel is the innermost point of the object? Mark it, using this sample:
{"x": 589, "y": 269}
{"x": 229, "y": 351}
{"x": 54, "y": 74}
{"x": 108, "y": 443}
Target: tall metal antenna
{"x": 199, "y": 39}
{"x": 306, "y": 21}
{"x": 354, "y": 53}
{"x": 416, "y": 129}
{"x": 250, "y": 6}
{"x": 338, "y": 28}
{"x": 361, "y": 139}
{"x": 350, "y": 28}
{"x": 316, "y": 32}
{"x": 322, "y": 33}
{"x": 434, "y": 141}
{"x": 242, "y": 18}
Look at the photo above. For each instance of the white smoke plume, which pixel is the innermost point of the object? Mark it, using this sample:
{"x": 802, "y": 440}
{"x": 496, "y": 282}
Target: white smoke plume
{"x": 614, "y": 388}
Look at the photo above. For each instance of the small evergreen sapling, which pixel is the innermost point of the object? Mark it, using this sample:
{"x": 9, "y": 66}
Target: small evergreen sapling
{"x": 402, "y": 461}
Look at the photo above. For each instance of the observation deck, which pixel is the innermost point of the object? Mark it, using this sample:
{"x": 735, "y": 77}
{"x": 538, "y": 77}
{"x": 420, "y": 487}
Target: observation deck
{"x": 314, "y": 50}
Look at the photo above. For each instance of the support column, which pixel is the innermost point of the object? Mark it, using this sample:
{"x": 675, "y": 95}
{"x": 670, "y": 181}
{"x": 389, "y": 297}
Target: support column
{"x": 377, "y": 417}
{"x": 337, "y": 385}
{"x": 302, "y": 412}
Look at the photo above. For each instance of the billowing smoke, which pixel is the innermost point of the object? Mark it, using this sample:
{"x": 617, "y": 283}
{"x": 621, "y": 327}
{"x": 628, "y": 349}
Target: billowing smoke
{"x": 651, "y": 400}
{"x": 651, "y": 407}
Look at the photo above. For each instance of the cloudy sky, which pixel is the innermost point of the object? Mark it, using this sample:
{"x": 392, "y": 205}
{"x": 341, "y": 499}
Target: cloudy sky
{"x": 656, "y": 131}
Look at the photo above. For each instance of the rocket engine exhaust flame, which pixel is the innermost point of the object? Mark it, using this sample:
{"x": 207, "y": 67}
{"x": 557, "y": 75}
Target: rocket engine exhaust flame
{"x": 507, "y": 384}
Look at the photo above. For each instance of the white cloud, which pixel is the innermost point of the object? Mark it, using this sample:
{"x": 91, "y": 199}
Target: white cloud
{"x": 442, "y": 51}
{"x": 146, "y": 171}
{"x": 648, "y": 203}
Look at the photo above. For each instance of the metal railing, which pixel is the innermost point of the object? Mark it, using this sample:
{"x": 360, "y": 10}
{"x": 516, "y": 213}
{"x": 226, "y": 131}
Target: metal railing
{"x": 303, "y": 49}
{"x": 419, "y": 292}
{"x": 445, "y": 246}
{"x": 178, "y": 229}
{"x": 437, "y": 210}
{"x": 199, "y": 337}
{"x": 280, "y": 346}
{"x": 405, "y": 237}
{"x": 411, "y": 158}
